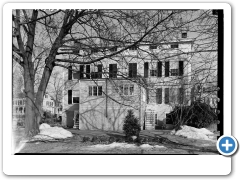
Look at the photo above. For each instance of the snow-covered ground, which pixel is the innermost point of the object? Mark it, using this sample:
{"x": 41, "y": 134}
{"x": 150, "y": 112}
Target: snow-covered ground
{"x": 50, "y": 133}
{"x": 124, "y": 145}
{"x": 195, "y": 133}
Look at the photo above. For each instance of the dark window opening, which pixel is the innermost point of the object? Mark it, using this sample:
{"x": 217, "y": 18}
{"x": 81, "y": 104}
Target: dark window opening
{"x": 174, "y": 45}
{"x": 153, "y": 72}
{"x": 132, "y": 70}
{"x": 69, "y": 96}
{"x": 112, "y": 70}
{"x": 113, "y": 49}
{"x": 184, "y": 35}
{"x": 76, "y": 100}
{"x": 88, "y": 71}
{"x": 132, "y": 48}
{"x": 153, "y": 47}
{"x": 159, "y": 96}
{"x": 181, "y": 68}
{"x": 81, "y": 71}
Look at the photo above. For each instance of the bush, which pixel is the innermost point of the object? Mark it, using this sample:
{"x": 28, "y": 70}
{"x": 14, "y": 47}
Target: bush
{"x": 198, "y": 115}
{"x": 131, "y": 126}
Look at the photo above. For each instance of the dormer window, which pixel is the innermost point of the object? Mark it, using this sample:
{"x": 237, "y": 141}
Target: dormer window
{"x": 184, "y": 35}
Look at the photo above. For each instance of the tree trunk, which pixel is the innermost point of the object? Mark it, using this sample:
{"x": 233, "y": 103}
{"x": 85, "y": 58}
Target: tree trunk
{"x": 31, "y": 126}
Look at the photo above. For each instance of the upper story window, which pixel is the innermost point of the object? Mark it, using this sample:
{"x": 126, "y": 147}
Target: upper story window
{"x": 174, "y": 46}
{"x": 132, "y": 48}
{"x": 153, "y": 47}
{"x": 174, "y": 72}
{"x": 184, "y": 35}
{"x": 95, "y": 90}
{"x": 46, "y": 96}
{"x": 132, "y": 71}
{"x": 112, "y": 70}
{"x": 113, "y": 49}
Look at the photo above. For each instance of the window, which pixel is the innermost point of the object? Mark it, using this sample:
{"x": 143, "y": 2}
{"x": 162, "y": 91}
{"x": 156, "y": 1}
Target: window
{"x": 153, "y": 72}
{"x": 112, "y": 70}
{"x": 174, "y": 72}
{"x": 132, "y": 48}
{"x": 174, "y": 45}
{"x": 153, "y": 47}
{"x": 46, "y": 96}
{"x": 146, "y": 67}
{"x": 126, "y": 90}
{"x": 20, "y": 102}
{"x": 113, "y": 49}
{"x": 184, "y": 35}
{"x": 75, "y": 97}
{"x": 181, "y": 67}
{"x": 75, "y": 100}
{"x": 132, "y": 70}
{"x": 95, "y": 90}
{"x": 94, "y": 50}
{"x": 76, "y": 75}
{"x": 156, "y": 119}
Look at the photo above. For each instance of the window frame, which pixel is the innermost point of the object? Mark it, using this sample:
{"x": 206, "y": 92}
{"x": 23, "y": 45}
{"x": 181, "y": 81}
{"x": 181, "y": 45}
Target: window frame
{"x": 91, "y": 91}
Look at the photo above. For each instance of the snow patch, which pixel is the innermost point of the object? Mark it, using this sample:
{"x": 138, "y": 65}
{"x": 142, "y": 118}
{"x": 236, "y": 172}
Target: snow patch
{"x": 49, "y": 133}
{"x": 44, "y": 126}
{"x": 194, "y": 133}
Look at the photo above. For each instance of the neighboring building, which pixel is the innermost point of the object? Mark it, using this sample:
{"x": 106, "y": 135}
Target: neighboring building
{"x": 48, "y": 104}
{"x": 99, "y": 95}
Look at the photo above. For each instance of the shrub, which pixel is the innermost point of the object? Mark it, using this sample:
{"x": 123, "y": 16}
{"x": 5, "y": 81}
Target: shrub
{"x": 199, "y": 115}
{"x": 131, "y": 126}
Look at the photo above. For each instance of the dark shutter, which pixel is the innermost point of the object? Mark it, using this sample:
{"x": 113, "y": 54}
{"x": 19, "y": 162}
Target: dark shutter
{"x": 70, "y": 73}
{"x": 88, "y": 71}
{"x": 99, "y": 71}
{"x": 69, "y": 96}
{"x": 132, "y": 70}
{"x": 159, "y": 96}
{"x": 166, "y": 69}
{"x": 112, "y": 70}
{"x": 180, "y": 68}
{"x": 166, "y": 95}
{"x": 180, "y": 96}
{"x": 81, "y": 71}
{"x": 159, "y": 69}
{"x": 146, "y": 68}
{"x": 99, "y": 90}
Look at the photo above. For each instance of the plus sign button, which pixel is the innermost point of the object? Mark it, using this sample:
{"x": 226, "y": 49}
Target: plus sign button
{"x": 227, "y": 145}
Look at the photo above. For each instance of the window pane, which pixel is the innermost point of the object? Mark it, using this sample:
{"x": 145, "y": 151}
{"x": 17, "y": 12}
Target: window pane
{"x": 121, "y": 89}
{"x": 75, "y": 99}
{"x": 95, "y": 90}
{"x": 99, "y": 90}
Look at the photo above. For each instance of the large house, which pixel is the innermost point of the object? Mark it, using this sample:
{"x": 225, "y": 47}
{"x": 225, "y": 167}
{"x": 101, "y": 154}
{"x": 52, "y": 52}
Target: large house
{"x": 150, "y": 79}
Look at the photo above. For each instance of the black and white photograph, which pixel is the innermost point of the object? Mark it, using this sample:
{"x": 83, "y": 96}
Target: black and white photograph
{"x": 117, "y": 81}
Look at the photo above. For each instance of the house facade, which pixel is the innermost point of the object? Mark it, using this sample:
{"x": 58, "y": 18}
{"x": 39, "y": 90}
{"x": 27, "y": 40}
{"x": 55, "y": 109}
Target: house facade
{"x": 150, "y": 79}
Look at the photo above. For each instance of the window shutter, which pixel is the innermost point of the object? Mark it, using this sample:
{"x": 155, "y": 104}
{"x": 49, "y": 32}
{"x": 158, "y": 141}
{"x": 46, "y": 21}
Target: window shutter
{"x": 159, "y": 69}
{"x": 146, "y": 68}
{"x": 99, "y": 71}
{"x": 69, "y": 96}
{"x": 180, "y": 68}
{"x": 180, "y": 96}
{"x": 81, "y": 71}
{"x": 166, "y": 69}
{"x": 88, "y": 71}
{"x": 159, "y": 96}
{"x": 69, "y": 73}
{"x": 166, "y": 95}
